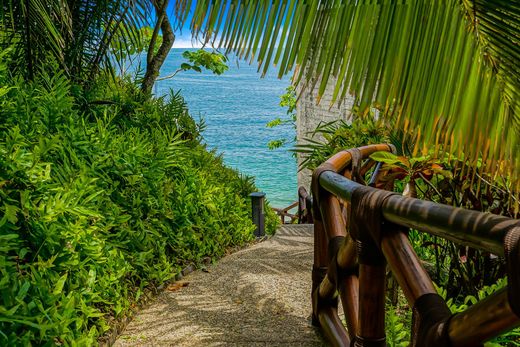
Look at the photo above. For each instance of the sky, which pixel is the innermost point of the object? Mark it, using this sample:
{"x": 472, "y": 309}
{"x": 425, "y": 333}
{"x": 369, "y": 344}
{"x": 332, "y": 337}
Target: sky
{"x": 184, "y": 41}
{"x": 183, "y": 37}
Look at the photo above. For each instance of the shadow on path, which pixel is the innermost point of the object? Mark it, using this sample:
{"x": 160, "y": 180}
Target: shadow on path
{"x": 256, "y": 297}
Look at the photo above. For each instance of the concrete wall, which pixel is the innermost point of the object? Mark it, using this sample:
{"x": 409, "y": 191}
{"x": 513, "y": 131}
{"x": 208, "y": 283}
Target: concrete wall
{"x": 309, "y": 115}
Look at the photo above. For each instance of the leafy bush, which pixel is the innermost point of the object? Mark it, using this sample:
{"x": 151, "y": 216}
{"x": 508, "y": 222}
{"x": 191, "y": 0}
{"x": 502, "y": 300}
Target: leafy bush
{"x": 272, "y": 221}
{"x": 339, "y": 135}
{"x": 103, "y": 193}
{"x": 397, "y": 326}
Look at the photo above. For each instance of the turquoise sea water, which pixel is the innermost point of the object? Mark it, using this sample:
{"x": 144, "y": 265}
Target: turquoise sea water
{"x": 236, "y": 107}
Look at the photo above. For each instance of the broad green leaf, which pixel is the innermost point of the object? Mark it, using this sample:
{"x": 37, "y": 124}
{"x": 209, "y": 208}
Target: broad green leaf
{"x": 386, "y": 157}
{"x": 10, "y": 213}
{"x": 58, "y": 288}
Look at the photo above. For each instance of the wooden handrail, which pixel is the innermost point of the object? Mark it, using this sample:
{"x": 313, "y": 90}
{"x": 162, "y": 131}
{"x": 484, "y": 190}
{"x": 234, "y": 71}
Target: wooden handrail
{"x": 485, "y": 231}
{"x": 284, "y": 212}
{"x": 351, "y": 255}
{"x": 304, "y": 206}
{"x": 304, "y": 215}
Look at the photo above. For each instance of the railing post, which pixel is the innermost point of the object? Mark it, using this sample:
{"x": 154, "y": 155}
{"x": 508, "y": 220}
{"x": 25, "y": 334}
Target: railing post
{"x": 319, "y": 267}
{"x": 365, "y": 228}
{"x": 304, "y": 207}
{"x": 372, "y": 276}
{"x": 258, "y": 216}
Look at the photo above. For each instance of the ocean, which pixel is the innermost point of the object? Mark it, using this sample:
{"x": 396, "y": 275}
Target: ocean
{"x": 236, "y": 107}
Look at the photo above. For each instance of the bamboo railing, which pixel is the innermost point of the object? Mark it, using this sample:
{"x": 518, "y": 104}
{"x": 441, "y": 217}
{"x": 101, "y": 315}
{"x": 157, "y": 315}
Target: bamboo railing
{"x": 359, "y": 230}
{"x": 303, "y": 215}
{"x": 284, "y": 212}
{"x": 304, "y": 207}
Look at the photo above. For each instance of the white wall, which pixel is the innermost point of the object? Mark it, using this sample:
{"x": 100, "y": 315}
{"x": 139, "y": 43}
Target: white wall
{"x": 309, "y": 114}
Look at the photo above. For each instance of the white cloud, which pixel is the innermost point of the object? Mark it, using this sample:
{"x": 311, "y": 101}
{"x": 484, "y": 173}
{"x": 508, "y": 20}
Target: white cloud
{"x": 183, "y": 42}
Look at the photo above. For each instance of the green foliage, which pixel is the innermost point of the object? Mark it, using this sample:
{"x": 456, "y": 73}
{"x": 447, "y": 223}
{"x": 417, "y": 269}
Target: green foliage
{"x": 84, "y": 37}
{"x": 400, "y": 170}
{"x": 212, "y": 61}
{"x": 397, "y": 327}
{"x": 201, "y": 59}
{"x": 272, "y": 221}
{"x": 122, "y": 49}
{"x": 130, "y": 108}
{"x": 127, "y": 53}
{"x": 339, "y": 135}
{"x": 274, "y": 144}
{"x": 287, "y": 100}
{"x": 103, "y": 193}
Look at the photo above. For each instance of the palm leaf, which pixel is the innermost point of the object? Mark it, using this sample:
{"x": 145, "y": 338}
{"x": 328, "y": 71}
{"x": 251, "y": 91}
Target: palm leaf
{"x": 76, "y": 33}
{"x": 446, "y": 71}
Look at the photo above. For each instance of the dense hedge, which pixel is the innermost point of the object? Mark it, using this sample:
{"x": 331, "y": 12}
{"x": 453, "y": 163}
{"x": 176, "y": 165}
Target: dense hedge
{"x": 103, "y": 193}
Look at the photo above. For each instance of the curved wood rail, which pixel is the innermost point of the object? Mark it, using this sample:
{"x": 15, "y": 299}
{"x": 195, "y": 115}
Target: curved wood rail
{"x": 304, "y": 206}
{"x": 360, "y": 229}
{"x": 303, "y": 215}
{"x": 284, "y": 212}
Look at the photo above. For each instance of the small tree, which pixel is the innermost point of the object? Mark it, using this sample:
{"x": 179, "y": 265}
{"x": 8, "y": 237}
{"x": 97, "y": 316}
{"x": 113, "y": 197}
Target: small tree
{"x": 155, "y": 59}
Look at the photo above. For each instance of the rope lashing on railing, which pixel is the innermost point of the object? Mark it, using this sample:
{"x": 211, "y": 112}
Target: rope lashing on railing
{"x": 485, "y": 231}
{"x": 431, "y": 316}
{"x": 351, "y": 254}
{"x": 367, "y": 209}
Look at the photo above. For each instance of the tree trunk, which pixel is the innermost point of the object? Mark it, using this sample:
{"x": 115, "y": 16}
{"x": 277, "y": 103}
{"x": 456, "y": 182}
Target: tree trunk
{"x": 155, "y": 62}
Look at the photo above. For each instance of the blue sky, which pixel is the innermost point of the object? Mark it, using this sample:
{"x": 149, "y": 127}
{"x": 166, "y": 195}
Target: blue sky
{"x": 183, "y": 37}
{"x": 185, "y": 41}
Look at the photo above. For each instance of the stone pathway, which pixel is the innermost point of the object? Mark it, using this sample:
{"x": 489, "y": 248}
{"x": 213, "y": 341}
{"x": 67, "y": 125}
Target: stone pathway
{"x": 258, "y": 296}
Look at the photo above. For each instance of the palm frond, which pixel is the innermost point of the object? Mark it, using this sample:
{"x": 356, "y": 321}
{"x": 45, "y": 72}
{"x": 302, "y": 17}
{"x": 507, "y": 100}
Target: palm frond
{"x": 445, "y": 71}
{"x": 76, "y": 33}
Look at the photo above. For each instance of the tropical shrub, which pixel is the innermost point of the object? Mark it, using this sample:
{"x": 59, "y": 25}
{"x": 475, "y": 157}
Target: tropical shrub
{"x": 329, "y": 138}
{"x": 397, "y": 325}
{"x": 103, "y": 192}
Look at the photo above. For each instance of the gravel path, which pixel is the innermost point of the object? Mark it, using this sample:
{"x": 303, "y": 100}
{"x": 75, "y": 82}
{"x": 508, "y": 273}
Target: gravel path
{"x": 258, "y": 296}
